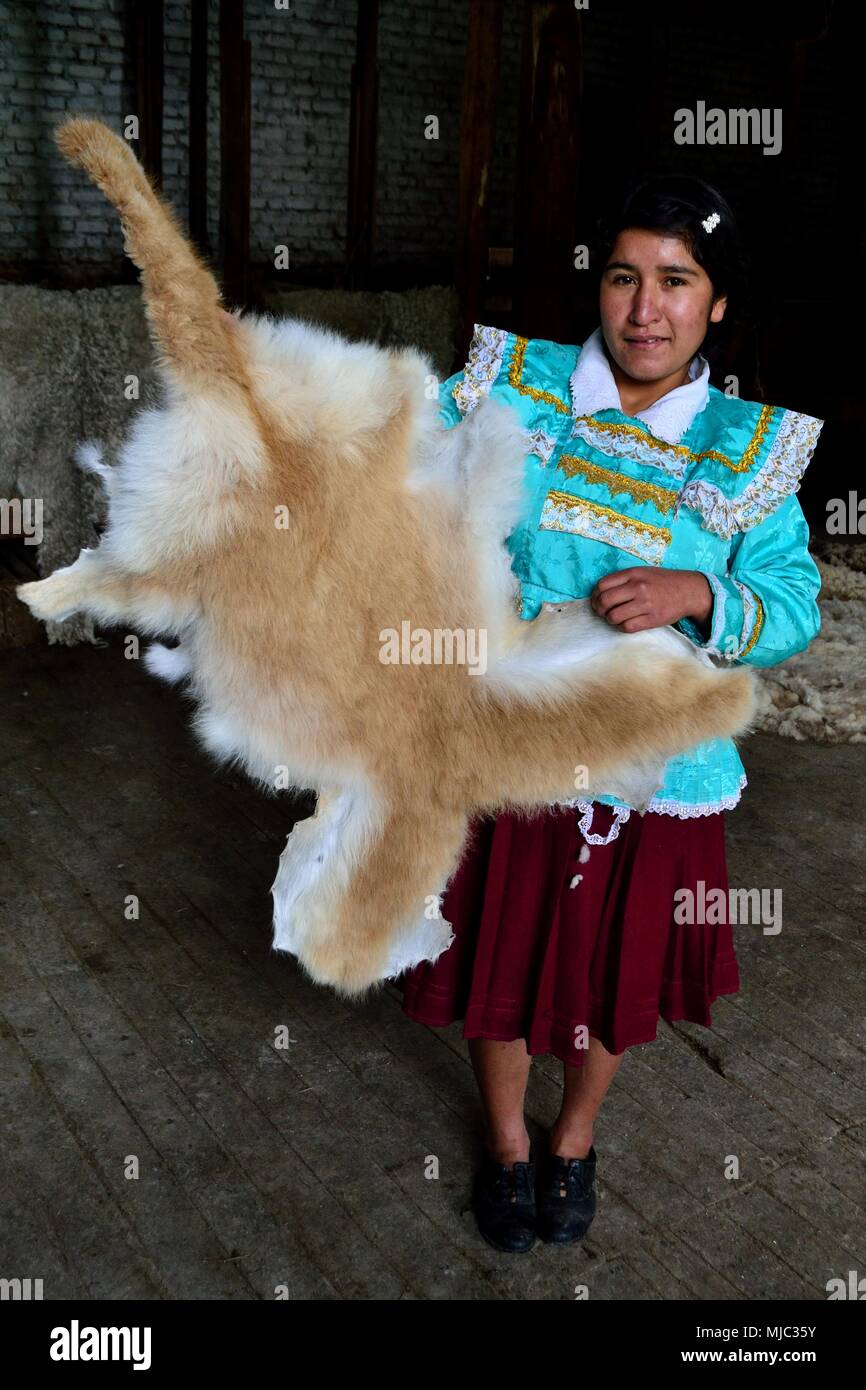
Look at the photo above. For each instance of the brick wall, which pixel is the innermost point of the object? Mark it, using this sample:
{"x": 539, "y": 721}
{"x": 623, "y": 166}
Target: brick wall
{"x": 77, "y": 55}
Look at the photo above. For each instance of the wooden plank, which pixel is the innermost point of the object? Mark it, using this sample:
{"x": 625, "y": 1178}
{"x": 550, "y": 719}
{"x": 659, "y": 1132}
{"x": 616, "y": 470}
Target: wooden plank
{"x": 344, "y": 1164}
{"x": 547, "y": 173}
{"x": 801, "y": 1254}
{"x": 198, "y": 126}
{"x": 837, "y": 1032}
{"x": 72, "y": 1132}
{"x": 363, "y": 132}
{"x": 207, "y": 1232}
{"x": 195, "y": 1067}
{"x": 475, "y": 175}
{"x": 30, "y": 1244}
{"x": 148, "y": 21}
{"x": 730, "y": 1245}
{"x": 234, "y": 59}
{"x": 819, "y": 1203}
{"x": 324, "y": 1144}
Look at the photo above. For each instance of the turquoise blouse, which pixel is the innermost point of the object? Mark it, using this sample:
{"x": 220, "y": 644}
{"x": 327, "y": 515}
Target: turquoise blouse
{"x": 604, "y": 493}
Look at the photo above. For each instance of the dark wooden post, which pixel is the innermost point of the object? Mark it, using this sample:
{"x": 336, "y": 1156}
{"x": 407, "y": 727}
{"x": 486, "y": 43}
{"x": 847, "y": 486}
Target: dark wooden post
{"x": 234, "y": 152}
{"x": 147, "y": 21}
{"x": 839, "y": 396}
{"x": 546, "y": 217}
{"x": 197, "y": 162}
{"x": 360, "y": 216}
{"x": 477, "y": 133}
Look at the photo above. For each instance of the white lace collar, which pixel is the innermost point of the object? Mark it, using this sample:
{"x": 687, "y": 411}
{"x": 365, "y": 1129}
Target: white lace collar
{"x": 593, "y": 388}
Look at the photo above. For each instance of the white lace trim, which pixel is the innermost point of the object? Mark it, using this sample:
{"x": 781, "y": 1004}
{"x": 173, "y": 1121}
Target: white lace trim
{"x": 665, "y": 806}
{"x": 564, "y": 512}
{"x": 719, "y": 599}
{"x": 621, "y": 815}
{"x": 541, "y": 444}
{"x": 750, "y": 615}
{"x": 778, "y": 477}
{"x": 687, "y": 810}
{"x": 482, "y": 367}
{"x": 631, "y": 446}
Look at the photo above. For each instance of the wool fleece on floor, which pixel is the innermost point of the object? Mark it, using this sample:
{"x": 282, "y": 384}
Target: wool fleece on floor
{"x": 296, "y": 517}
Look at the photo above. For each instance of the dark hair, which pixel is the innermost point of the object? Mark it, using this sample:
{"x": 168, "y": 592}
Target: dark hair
{"x": 678, "y": 204}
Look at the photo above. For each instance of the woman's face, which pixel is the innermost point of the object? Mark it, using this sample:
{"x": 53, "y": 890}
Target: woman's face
{"x": 655, "y": 303}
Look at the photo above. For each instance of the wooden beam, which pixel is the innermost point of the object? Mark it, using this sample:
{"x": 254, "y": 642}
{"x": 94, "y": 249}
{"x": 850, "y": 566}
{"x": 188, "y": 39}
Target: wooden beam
{"x": 148, "y": 30}
{"x": 546, "y": 218}
{"x": 360, "y": 216}
{"x": 234, "y": 52}
{"x": 477, "y": 134}
{"x": 197, "y": 156}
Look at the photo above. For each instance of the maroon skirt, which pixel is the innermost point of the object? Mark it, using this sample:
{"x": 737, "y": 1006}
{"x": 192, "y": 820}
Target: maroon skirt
{"x": 537, "y": 958}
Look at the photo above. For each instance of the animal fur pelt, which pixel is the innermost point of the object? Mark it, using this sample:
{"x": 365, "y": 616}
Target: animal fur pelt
{"x": 294, "y": 497}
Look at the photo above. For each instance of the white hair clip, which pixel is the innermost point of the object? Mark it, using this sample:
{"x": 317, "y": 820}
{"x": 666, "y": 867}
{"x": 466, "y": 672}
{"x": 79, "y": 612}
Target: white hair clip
{"x": 710, "y": 222}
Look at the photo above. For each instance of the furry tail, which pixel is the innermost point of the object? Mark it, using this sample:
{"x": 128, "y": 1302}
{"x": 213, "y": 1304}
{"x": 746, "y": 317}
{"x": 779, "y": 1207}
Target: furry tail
{"x": 182, "y": 299}
{"x": 617, "y": 725}
{"x": 169, "y": 663}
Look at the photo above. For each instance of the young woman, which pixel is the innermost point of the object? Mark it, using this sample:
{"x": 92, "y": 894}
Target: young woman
{"x": 664, "y": 500}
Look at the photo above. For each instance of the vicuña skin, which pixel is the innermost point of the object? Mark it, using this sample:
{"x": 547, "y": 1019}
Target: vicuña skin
{"x": 295, "y": 496}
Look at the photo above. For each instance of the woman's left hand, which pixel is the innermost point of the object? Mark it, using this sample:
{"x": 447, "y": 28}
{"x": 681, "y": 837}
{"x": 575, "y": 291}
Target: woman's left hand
{"x": 642, "y": 597}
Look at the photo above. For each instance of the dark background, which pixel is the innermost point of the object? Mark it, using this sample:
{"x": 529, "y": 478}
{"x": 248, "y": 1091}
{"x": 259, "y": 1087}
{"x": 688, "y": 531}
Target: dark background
{"x": 573, "y": 104}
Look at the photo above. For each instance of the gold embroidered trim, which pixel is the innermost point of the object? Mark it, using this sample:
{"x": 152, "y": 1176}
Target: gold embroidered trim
{"x": 756, "y": 630}
{"x": 565, "y": 499}
{"x": 681, "y": 451}
{"x": 766, "y": 415}
{"x": 605, "y": 524}
{"x": 664, "y": 497}
{"x": 515, "y": 374}
{"x": 610, "y": 427}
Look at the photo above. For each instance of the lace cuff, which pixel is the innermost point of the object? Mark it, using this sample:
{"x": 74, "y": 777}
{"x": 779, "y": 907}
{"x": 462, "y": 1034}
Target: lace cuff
{"x": 482, "y": 366}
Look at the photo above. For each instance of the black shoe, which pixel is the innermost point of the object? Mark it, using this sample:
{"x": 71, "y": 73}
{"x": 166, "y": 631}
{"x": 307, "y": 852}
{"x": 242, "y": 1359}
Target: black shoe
{"x": 566, "y": 1198}
{"x": 503, "y": 1200}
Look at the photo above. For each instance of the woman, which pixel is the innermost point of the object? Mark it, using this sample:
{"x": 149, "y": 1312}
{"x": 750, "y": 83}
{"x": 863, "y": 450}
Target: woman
{"x": 665, "y": 501}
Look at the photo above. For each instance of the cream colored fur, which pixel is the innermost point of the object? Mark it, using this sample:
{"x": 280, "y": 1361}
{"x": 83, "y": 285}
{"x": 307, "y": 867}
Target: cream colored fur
{"x": 296, "y": 495}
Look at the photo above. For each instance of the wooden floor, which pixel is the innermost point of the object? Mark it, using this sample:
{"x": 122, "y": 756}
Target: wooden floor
{"x": 149, "y": 1042}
